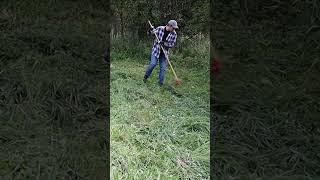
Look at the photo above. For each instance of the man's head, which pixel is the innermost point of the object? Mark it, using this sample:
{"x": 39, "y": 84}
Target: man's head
{"x": 172, "y": 25}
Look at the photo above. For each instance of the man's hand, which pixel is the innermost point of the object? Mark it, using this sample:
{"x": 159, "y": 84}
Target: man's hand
{"x": 151, "y": 31}
{"x": 164, "y": 44}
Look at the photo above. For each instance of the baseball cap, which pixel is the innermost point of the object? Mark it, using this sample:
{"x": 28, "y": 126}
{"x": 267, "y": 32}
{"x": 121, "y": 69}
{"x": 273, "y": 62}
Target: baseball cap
{"x": 173, "y": 23}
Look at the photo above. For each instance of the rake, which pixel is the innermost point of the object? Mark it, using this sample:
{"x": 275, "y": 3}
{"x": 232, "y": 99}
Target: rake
{"x": 177, "y": 80}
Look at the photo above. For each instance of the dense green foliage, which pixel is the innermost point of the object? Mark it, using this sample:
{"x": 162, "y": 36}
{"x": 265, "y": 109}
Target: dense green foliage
{"x": 53, "y": 99}
{"x": 131, "y": 16}
{"x": 266, "y": 100}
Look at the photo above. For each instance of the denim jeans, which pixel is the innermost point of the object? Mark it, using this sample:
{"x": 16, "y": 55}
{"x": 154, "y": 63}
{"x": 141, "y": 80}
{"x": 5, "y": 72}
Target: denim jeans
{"x": 163, "y": 65}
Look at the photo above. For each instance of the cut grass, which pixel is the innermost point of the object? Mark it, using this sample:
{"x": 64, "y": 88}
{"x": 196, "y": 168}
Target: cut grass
{"x": 154, "y": 132}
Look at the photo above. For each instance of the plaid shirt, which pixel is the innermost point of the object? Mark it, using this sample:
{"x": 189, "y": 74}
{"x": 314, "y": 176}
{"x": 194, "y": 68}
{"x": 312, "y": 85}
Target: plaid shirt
{"x": 170, "y": 40}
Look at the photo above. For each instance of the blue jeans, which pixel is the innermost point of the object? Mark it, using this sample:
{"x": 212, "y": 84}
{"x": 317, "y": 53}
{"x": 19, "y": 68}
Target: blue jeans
{"x": 163, "y": 65}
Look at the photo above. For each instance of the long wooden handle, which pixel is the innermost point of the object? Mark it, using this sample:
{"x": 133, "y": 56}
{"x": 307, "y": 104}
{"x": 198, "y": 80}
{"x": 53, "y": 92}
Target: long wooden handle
{"x": 165, "y": 54}
{"x": 174, "y": 73}
{"x": 150, "y": 24}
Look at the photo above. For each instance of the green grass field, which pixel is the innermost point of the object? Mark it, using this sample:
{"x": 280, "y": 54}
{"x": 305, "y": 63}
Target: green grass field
{"x": 159, "y": 132}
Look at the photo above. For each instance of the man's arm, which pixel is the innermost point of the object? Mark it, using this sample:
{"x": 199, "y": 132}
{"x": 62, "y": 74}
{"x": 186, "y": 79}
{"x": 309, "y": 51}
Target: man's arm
{"x": 152, "y": 31}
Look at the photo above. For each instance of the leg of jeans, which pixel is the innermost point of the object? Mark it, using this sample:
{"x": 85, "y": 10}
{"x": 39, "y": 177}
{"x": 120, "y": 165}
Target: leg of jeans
{"x": 163, "y": 65}
{"x": 153, "y": 63}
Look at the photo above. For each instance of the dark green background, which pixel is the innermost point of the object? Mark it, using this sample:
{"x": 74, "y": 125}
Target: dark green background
{"x": 53, "y": 89}
{"x": 265, "y": 102}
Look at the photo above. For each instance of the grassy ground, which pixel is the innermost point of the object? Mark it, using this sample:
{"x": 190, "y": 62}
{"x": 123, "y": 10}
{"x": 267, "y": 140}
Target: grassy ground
{"x": 159, "y": 133}
{"x": 52, "y": 90}
{"x": 266, "y": 106}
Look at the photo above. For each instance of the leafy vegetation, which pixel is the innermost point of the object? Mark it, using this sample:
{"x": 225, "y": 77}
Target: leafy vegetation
{"x": 131, "y": 16}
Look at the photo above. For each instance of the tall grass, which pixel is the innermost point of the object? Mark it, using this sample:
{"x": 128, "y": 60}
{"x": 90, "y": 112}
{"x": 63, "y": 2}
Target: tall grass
{"x": 191, "y": 53}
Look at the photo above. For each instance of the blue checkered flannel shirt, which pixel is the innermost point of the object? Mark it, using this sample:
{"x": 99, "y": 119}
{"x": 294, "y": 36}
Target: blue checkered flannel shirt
{"x": 170, "y": 41}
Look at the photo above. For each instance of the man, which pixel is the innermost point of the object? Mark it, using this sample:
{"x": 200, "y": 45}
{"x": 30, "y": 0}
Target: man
{"x": 167, "y": 36}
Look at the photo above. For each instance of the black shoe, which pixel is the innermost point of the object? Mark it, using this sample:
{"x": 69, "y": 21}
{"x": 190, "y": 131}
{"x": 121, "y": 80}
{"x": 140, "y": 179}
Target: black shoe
{"x": 144, "y": 80}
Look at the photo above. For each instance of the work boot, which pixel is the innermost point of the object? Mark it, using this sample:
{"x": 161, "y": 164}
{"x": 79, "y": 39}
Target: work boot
{"x": 145, "y": 79}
